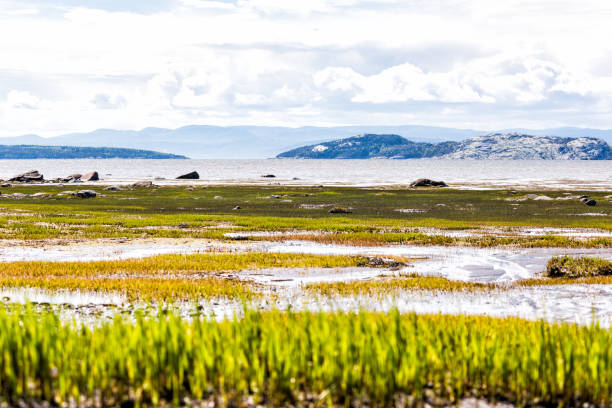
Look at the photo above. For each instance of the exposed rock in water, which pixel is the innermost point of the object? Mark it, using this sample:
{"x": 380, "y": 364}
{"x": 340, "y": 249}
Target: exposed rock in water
{"x": 87, "y": 194}
{"x": 91, "y": 176}
{"x": 380, "y": 262}
{"x": 144, "y": 183}
{"x": 423, "y": 182}
{"x": 28, "y": 177}
{"x": 189, "y": 176}
{"x": 268, "y": 176}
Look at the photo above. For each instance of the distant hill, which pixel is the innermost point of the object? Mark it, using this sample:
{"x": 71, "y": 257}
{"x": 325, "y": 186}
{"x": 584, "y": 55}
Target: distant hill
{"x": 498, "y": 146}
{"x": 258, "y": 142}
{"x": 76, "y": 152}
{"x": 371, "y": 146}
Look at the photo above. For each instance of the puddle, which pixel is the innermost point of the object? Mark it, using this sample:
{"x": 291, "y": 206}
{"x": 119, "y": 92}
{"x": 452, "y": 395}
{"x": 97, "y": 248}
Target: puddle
{"x": 457, "y": 263}
{"x": 112, "y": 250}
{"x": 582, "y": 304}
{"x": 296, "y": 277}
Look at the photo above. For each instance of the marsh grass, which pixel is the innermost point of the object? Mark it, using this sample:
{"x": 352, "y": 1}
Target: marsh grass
{"x": 159, "y": 212}
{"x": 394, "y": 286}
{"x": 155, "y": 278}
{"x": 413, "y": 238}
{"x": 578, "y": 267}
{"x": 303, "y": 359}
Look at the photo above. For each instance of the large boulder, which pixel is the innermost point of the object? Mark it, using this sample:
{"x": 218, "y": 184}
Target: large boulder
{"x": 91, "y": 176}
{"x": 189, "y": 176}
{"x": 28, "y": 177}
{"x": 423, "y": 182}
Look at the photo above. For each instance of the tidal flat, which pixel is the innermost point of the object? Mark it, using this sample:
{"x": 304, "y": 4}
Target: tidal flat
{"x": 452, "y": 285}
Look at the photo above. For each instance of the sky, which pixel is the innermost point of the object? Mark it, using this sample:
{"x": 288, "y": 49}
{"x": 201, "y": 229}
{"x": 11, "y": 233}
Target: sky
{"x": 68, "y": 65}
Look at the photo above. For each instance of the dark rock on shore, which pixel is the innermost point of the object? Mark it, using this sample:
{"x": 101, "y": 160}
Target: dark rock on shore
{"x": 591, "y": 203}
{"x": 268, "y": 176}
{"x": 423, "y": 182}
{"x": 28, "y": 177}
{"x": 189, "y": 176}
{"x": 91, "y": 176}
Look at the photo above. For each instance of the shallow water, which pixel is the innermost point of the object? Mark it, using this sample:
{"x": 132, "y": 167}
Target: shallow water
{"x": 455, "y": 262}
{"x": 581, "y": 175}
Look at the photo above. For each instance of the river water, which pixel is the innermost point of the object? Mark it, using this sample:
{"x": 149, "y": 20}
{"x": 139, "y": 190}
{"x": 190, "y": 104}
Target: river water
{"x": 541, "y": 174}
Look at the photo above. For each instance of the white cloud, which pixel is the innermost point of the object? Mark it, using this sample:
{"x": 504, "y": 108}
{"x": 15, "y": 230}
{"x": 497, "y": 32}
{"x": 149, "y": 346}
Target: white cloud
{"x": 22, "y": 100}
{"x": 462, "y": 63}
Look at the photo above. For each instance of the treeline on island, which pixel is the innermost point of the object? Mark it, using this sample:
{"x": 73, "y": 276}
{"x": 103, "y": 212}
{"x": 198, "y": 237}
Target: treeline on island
{"x": 78, "y": 152}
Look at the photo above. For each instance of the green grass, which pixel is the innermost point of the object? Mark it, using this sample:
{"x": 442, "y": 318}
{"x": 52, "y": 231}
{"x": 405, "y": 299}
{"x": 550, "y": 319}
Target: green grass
{"x": 303, "y": 359}
{"x": 158, "y": 212}
{"x": 578, "y": 267}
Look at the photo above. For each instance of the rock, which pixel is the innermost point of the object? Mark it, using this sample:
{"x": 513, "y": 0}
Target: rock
{"x": 113, "y": 188}
{"x": 237, "y": 208}
{"x": 275, "y": 196}
{"x": 268, "y": 176}
{"x": 218, "y": 197}
{"x": 40, "y": 195}
{"x": 183, "y": 225}
{"x": 73, "y": 177}
{"x": 423, "y": 182}
{"x": 189, "y": 188}
{"x": 28, "y": 177}
{"x": 339, "y": 210}
{"x": 144, "y": 183}
{"x": 87, "y": 193}
{"x": 5, "y": 185}
{"x": 380, "y": 262}
{"x": 591, "y": 203}
{"x": 91, "y": 176}
{"x": 189, "y": 176}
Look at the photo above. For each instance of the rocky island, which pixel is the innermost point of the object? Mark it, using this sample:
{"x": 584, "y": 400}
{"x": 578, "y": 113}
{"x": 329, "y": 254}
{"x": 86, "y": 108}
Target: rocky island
{"x": 493, "y": 146}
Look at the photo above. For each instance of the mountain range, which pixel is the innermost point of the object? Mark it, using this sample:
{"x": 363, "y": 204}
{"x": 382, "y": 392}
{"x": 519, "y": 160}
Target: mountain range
{"x": 255, "y": 142}
{"x": 493, "y": 146}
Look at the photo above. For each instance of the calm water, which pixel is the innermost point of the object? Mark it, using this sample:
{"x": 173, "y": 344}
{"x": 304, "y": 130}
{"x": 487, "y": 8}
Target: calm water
{"x": 459, "y": 173}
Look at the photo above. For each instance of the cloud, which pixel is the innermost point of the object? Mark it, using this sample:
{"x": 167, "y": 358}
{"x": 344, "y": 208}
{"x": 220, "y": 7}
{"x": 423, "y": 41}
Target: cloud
{"x": 76, "y": 65}
{"x": 23, "y": 100}
{"x": 104, "y": 101}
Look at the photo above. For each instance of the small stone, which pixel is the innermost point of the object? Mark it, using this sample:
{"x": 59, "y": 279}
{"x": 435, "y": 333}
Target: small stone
{"x": 144, "y": 184}
{"x": 339, "y": 210}
{"x": 237, "y": 208}
{"x": 268, "y": 176}
{"x": 591, "y": 203}
{"x": 113, "y": 188}
{"x": 183, "y": 225}
{"x": 5, "y": 185}
{"x": 87, "y": 194}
